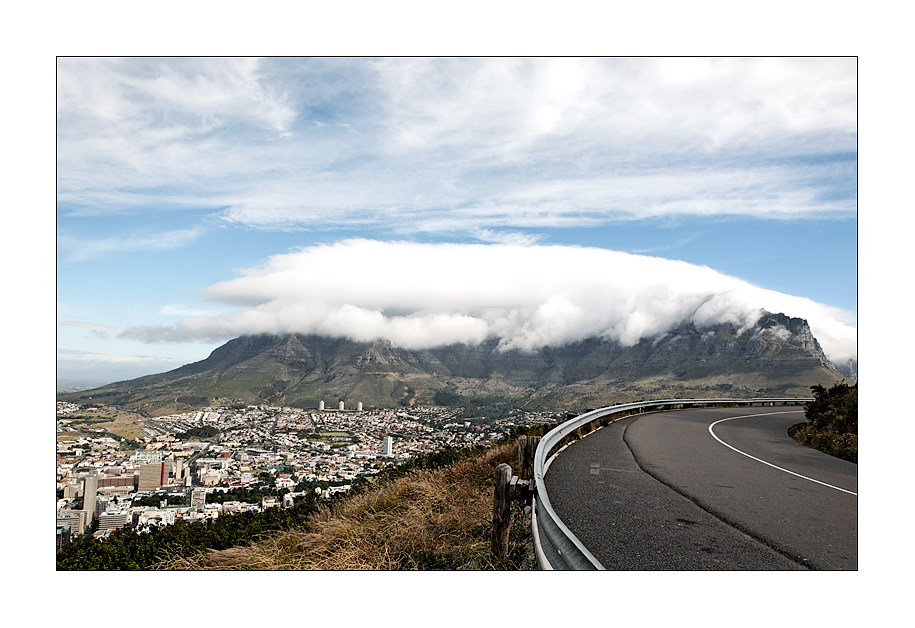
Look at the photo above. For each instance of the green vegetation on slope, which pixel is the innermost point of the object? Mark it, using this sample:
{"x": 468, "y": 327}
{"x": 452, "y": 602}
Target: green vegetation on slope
{"x": 832, "y": 421}
{"x": 126, "y": 549}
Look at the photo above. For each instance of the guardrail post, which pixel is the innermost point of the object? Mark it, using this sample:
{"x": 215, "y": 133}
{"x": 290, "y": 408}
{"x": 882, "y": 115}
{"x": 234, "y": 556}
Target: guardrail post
{"x": 501, "y": 512}
{"x": 527, "y": 446}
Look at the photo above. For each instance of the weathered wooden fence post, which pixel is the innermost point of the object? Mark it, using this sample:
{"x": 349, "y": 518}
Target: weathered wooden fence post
{"x": 501, "y": 511}
{"x": 527, "y": 447}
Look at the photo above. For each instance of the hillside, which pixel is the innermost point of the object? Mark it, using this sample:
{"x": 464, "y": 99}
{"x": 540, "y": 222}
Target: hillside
{"x": 778, "y": 356}
{"x": 431, "y": 512}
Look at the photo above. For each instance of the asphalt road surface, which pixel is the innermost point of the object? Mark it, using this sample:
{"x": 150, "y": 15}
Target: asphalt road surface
{"x": 721, "y": 488}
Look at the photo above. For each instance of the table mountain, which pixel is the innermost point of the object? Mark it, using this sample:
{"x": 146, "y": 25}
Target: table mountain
{"x": 777, "y": 356}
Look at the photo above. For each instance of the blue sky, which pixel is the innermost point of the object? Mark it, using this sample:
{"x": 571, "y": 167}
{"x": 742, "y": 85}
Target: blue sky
{"x": 201, "y": 198}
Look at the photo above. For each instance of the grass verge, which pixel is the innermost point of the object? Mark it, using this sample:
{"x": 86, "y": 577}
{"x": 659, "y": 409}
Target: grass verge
{"x": 427, "y": 519}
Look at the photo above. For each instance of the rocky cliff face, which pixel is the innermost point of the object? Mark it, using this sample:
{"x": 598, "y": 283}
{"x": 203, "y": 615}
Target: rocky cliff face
{"x": 849, "y": 370}
{"x": 777, "y": 355}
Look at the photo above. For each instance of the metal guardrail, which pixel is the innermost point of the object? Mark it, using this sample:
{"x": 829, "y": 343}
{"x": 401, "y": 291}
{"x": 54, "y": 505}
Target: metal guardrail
{"x": 554, "y": 544}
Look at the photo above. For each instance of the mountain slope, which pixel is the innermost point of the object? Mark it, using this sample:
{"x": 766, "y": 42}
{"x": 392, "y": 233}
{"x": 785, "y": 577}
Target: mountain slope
{"x": 779, "y": 355}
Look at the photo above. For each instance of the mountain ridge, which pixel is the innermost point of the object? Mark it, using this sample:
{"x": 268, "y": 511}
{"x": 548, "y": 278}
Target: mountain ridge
{"x": 778, "y": 355}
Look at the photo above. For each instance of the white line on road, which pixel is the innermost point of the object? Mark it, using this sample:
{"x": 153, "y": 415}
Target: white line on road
{"x": 745, "y": 416}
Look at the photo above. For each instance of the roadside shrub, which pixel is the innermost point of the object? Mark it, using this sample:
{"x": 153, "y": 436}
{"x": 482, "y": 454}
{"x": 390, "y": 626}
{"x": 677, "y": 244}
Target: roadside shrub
{"x": 832, "y": 422}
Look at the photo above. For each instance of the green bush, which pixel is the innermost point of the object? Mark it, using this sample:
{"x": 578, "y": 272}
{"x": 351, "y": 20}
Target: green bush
{"x": 832, "y": 421}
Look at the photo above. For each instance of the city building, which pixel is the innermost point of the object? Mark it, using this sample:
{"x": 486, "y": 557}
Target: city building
{"x": 146, "y": 456}
{"x": 125, "y": 481}
{"x": 198, "y": 498}
{"x": 90, "y": 493}
{"x": 63, "y": 534}
{"x": 152, "y": 476}
{"x": 75, "y": 519}
{"x": 108, "y": 521}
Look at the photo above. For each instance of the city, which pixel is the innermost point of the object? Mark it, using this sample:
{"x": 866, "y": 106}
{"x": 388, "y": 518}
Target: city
{"x": 222, "y": 460}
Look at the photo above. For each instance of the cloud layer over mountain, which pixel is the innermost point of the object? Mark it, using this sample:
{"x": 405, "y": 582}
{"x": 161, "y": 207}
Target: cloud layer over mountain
{"x": 420, "y": 295}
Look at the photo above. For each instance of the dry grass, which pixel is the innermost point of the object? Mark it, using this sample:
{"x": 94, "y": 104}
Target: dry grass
{"x": 438, "y": 519}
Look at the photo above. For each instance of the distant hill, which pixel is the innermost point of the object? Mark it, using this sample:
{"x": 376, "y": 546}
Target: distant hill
{"x": 778, "y": 356}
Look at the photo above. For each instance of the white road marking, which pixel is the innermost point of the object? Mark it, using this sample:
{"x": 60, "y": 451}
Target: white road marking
{"x": 745, "y": 416}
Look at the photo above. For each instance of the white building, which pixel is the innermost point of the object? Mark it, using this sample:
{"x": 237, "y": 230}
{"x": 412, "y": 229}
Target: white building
{"x": 113, "y": 520}
{"x": 76, "y": 519}
{"x": 90, "y": 491}
{"x": 146, "y": 456}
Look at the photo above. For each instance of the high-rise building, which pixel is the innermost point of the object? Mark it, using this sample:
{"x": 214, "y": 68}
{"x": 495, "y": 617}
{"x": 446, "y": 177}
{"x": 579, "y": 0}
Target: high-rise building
{"x": 321, "y": 405}
{"x": 359, "y": 406}
{"x": 388, "y": 445}
{"x": 152, "y": 476}
{"x": 341, "y": 405}
{"x": 90, "y": 493}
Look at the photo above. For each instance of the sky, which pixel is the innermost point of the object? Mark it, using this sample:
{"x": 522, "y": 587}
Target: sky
{"x": 438, "y": 200}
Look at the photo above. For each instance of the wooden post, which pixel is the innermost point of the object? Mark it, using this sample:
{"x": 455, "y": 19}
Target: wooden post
{"x": 522, "y": 458}
{"x": 501, "y": 512}
{"x": 527, "y": 447}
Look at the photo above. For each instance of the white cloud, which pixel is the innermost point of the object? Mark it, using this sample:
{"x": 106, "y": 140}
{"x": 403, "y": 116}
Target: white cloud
{"x": 507, "y": 237}
{"x": 504, "y": 106}
{"x": 421, "y": 295}
{"x": 78, "y": 249}
{"x": 87, "y": 326}
{"x": 126, "y": 126}
{"x": 457, "y": 144}
{"x": 182, "y": 309}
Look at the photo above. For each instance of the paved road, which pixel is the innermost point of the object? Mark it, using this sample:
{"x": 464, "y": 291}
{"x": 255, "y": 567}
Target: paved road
{"x": 660, "y": 491}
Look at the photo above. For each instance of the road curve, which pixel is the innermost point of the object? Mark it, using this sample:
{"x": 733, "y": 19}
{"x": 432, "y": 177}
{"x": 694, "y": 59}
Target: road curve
{"x": 722, "y": 488}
